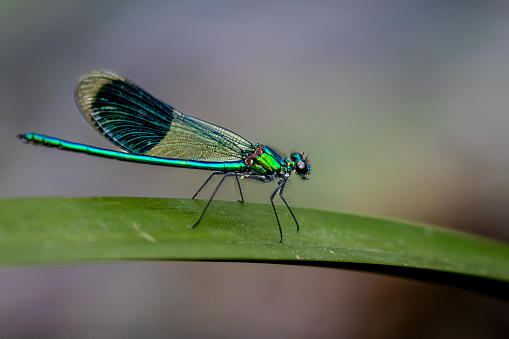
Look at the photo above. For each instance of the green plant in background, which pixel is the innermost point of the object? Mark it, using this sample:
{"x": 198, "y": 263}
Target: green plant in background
{"x": 35, "y": 231}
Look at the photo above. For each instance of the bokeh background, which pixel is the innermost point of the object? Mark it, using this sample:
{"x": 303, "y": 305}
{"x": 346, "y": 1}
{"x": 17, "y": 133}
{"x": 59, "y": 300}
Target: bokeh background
{"x": 402, "y": 105}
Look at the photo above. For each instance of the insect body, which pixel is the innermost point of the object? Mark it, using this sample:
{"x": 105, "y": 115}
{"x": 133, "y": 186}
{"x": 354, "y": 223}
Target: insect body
{"x": 152, "y": 132}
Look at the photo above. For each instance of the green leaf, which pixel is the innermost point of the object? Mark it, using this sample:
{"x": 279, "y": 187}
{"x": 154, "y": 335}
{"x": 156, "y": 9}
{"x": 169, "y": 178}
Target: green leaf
{"x": 71, "y": 230}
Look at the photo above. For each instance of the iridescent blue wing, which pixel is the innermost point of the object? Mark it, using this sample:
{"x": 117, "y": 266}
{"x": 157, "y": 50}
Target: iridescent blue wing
{"x": 135, "y": 121}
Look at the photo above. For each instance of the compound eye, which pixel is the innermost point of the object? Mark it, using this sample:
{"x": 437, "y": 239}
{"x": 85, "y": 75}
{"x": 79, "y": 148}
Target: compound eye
{"x": 301, "y": 168}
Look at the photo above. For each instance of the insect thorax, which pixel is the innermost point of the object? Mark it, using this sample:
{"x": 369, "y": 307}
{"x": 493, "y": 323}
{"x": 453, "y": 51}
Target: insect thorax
{"x": 265, "y": 161}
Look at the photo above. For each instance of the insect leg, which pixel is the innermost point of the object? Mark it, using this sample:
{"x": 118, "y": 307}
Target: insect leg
{"x": 281, "y": 184}
{"x": 213, "y": 194}
{"x": 281, "y": 195}
{"x": 240, "y": 189}
{"x": 205, "y": 183}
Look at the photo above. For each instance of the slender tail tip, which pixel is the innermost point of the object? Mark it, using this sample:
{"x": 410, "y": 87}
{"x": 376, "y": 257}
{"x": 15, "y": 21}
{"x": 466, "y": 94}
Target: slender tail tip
{"x": 22, "y": 137}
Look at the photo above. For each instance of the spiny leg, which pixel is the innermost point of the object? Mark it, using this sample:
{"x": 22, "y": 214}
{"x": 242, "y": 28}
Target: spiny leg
{"x": 281, "y": 195}
{"x": 205, "y": 183}
{"x": 213, "y": 194}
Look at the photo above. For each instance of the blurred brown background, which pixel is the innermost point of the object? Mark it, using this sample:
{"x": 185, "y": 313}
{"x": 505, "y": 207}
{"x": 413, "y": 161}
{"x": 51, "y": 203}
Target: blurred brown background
{"x": 402, "y": 105}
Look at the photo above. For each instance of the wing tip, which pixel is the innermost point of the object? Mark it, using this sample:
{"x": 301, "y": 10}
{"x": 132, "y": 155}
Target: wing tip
{"x": 87, "y": 87}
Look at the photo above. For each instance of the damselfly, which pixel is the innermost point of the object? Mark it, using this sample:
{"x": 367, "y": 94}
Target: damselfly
{"x": 152, "y": 132}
